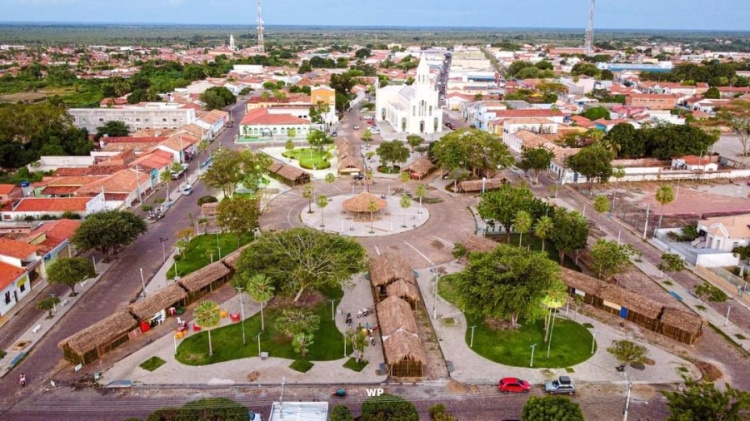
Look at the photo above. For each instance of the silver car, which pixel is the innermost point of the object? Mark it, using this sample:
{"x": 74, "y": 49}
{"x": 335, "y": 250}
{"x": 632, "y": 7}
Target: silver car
{"x": 563, "y": 385}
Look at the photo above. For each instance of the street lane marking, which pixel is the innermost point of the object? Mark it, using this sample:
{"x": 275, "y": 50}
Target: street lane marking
{"x": 421, "y": 254}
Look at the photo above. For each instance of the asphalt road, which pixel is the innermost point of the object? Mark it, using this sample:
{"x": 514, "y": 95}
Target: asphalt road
{"x": 116, "y": 289}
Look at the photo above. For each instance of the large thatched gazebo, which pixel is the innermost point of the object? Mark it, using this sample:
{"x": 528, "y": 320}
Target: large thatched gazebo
{"x": 405, "y": 290}
{"x": 96, "y": 340}
{"x": 478, "y": 244}
{"x": 395, "y": 314}
{"x": 681, "y": 325}
{"x": 360, "y": 203}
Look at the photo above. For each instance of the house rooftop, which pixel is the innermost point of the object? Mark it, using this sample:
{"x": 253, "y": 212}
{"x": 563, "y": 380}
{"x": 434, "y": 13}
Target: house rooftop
{"x": 8, "y": 274}
{"x": 736, "y": 226}
{"x": 57, "y": 204}
{"x": 17, "y": 249}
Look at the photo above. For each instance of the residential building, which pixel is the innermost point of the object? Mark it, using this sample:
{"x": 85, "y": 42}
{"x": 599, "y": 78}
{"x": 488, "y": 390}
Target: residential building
{"x": 36, "y": 207}
{"x": 651, "y": 101}
{"x": 260, "y": 122}
{"x": 213, "y": 122}
{"x": 52, "y": 240}
{"x": 150, "y": 116}
{"x": 14, "y": 285}
{"x": 411, "y": 109}
{"x": 724, "y": 233}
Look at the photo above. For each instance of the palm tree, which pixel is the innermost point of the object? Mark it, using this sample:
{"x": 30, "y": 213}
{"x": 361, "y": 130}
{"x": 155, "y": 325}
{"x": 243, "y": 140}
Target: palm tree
{"x": 208, "y": 316}
{"x": 372, "y": 207}
{"x": 405, "y": 176}
{"x": 522, "y": 223}
{"x": 166, "y": 177}
{"x": 261, "y": 289}
{"x": 665, "y": 196}
{"x": 330, "y": 178}
{"x": 420, "y": 192}
{"x": 543, "y": 228}
{"x": 322, "y": 202}
{"x": 308, "y": 192}
{"x": 405, "y": 204}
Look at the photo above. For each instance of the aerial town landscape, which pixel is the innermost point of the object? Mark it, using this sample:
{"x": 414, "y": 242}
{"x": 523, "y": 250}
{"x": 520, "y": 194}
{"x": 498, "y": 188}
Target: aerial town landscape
{"x": 427, "y": 215}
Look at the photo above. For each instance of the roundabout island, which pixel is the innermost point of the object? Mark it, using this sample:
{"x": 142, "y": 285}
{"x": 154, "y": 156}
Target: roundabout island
{"x": 365, "y": 214}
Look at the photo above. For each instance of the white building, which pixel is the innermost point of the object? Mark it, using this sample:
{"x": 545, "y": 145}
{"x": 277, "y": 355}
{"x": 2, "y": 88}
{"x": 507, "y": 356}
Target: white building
{"x": 148, "y": 116}
{"x": 411, "y": 109}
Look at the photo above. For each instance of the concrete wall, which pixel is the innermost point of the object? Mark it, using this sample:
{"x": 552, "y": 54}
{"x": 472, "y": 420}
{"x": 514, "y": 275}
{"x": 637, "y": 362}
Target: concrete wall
{"x": 51, "y": 163}
{"x": 163, "y": 117}
{"x": 717, "y": 260}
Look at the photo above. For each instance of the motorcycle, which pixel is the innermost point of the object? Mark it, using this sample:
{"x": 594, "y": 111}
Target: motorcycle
{"x": 339, "y": 392}
{"x": 365, "y": 312}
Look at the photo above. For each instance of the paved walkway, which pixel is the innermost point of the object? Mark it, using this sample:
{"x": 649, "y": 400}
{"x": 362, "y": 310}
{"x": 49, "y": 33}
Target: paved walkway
{"x": 470, "y": 367}
{"x": 356, "y": 297}
{"x": 23, "y": 344}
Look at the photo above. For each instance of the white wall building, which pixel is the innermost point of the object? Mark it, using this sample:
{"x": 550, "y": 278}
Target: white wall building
{"x": 150, "y": 116}
{"x": 411, "y": 109}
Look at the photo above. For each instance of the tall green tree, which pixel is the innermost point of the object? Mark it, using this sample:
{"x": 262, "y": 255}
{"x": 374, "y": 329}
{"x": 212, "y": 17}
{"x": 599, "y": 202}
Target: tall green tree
{"x": 230, "y": 168}
{"x": 473, "y": 149}
{"x": 551, "y": 408}
{"x": 535, "y": 159}
{"x": 48, "y": 304}
{"x": 208, "y": 316}
{"x": 238, "y": 215}
{"x": 322, "y": 202}
{"x": 671, "y": 262}
{"x": 113, "y": 128}
{"x": 543, "y": 228}
{"x": 217, "y": 97}
{"x": 632, "y": 144}
{"x": 108, "y": 230}
{"x": 594, "y": 162}
{"x": 628, "y": 352}
{"x": 414, "y": 141}
{"x": 308, "y": 192}
{"x": 299, "y": 259}
{"x": 507, "y": 283}
{"x": 420, "y": 191}
{"x": 601, "y": 204}
{"x": 367, "y": 137}
{"x": 522, "y": 223}
{"x": 70, "y": 271}
{"x": 703, "y": 401}
{"x": 388, "y": 407}
{"x": 260, "y": 288}
{"x": 317, "y": 139}
{"x": 570, "y": 233}
{"x": 393, "y": 152}
{"x": 503, "y": 205}
{"x": 665, "y": 196}
{"x": 610, "y": 258}
{"x": 405, "y": 204}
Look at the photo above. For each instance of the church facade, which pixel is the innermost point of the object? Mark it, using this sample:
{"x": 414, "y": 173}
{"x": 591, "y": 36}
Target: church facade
{"x": 411, "y": 109}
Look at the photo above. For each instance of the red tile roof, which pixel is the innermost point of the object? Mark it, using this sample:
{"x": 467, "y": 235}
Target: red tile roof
{"x": 17, "y": 249}
{"x": 261, "y": 117}
{"x": 527, "y": 113}
{"x": 128, "y": 139}
{"x": 8, "y": 274}
{"x": 58, "y": 204}
{"x": 6, "y": 188}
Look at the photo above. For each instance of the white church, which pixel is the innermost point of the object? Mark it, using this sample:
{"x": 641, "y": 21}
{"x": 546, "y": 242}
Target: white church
{"x": 411, "y": 109}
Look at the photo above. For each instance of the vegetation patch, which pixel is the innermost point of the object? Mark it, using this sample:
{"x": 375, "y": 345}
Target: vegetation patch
{"x": 353, "y": 365}
{"x": 740, "y": 336}
{"x": 227, "y": 341}
{"x": 389, "y": 170}
{"x": 535, "y": 243}
{"x": 309, "y": 158}
{"x": 303, "y": 366}
{"x": 204, "y": 248}
{"x": 152, "y": 363}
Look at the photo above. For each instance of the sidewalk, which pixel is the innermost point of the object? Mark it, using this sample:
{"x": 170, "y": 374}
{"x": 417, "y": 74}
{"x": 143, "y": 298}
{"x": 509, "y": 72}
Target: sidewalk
{"x": 27, "y": 340}
{"x": 680, "y": 293}
{"x": 37, "y": 289}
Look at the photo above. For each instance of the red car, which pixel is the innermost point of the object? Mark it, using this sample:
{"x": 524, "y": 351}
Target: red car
{"x": 513, "y": 385}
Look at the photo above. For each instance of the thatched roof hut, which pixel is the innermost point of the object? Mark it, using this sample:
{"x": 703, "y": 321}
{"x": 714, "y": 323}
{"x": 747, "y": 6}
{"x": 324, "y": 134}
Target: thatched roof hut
{"x": 421, "y": 167}
{"x": 404, "y": 354}
{"x": 101, "y": 333}
{"x": 580, "y": 282}
{"x": 395, "y": 314}
{"x": 475, "y": 186}
{"x": 681, "y": 325}
{"x": 158, "y": 301}
{"x": 360, "y": 202}
{"x": 289, "y": 173}
{"x": 479, "y": 244}
{"x": 349, "y": 164}
{"x": 210, "y": 210}
{"x": 231, "y": 259}
{"x": 204, "y": 276}
{"x": 388, "y": 268}
{"x": 403, "y": 289}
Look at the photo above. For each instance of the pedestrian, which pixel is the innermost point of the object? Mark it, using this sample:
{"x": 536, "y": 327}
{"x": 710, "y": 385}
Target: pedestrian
{"x": 22, "y": 379}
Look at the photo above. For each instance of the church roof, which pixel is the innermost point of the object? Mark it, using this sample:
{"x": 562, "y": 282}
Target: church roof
{"x": 407, "y": 92}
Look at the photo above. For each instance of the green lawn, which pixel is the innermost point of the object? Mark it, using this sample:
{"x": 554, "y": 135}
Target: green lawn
{"x": 152, "y": 363}
{"x": 571, "y": 342}
{"x": 227, "y": 341}
{"x": 536, "y": 244}
{"x": 309, "y": 158}
{"x": 303, "y": 366}
{"x": 353, "y": 365}
{"x": 198, "y": 253}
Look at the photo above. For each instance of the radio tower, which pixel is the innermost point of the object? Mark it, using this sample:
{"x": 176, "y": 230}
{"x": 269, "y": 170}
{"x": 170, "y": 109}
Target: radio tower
{"x": 261, "y": 46}
{"x": 588, "y": 47}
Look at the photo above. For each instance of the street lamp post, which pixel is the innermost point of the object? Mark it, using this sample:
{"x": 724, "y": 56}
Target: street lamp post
{"x": 551, "y": 330}
{"x": 163, "y": 250}
{"x": 593, "y": 344}
{"x": 143, "y": 284}
{"x": 627, "y": 400}
{"x": 259, "y": 343}
{"x": 726, "y": 319}
{"x": 471, "y": 343}
{"x": 434, "y": 301}
{"x": 242, "y": 315}
{"x": 531, "y": 363}
{"x": 333, "y": 316}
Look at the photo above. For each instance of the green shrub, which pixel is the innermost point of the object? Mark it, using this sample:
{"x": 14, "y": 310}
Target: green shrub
{"x": 459, "y": 250}
{"x": 303, "y": 366}
{"x": 341, "y": 413}
{"x": 28, "y": 218}
{"x": 710, "y": 292}
{"x": 177, "y": 257}
{"x": 146, "y": 208}
{"x": 207, "y": 199}
{"x": 46, "y": 217}
{"x": 388, "y": 407}
{"x": 159, "y": 200}
{"x": 70, "y": 215}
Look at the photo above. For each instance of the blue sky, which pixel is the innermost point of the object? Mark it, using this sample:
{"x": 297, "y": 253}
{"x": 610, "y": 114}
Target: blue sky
{"x": 635, "y": 14}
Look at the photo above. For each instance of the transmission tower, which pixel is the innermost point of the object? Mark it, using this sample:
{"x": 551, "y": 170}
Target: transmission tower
{"x": 261, "y": 46}
{"x": 588, "y": 47}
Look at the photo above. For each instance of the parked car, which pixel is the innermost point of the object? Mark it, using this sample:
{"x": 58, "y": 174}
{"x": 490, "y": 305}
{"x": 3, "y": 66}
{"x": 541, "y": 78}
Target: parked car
{"x": 254, "y": 416}
{"x": 450, "y": 125}
{"x": 177, "y": 174}
{"x": 334, "y": 134}
{"x": 374, "y": 130}
{"x": 513, "y": 385}
{"x": 187, "y": 190}
{"x": 562, "y": 385}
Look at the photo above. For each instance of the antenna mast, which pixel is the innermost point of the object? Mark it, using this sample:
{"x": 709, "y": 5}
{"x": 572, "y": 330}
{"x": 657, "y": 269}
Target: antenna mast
{"x": 588, "y": 47}
{"x": 261, "y": 47}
